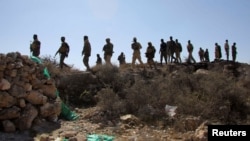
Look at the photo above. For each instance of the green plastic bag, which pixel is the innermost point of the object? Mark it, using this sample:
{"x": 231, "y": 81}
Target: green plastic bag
{"x": 46, "y": 73}
{"x": 65, "y": 111}
{"x": 96, "y": 137}
{"x": 35, "y": 59}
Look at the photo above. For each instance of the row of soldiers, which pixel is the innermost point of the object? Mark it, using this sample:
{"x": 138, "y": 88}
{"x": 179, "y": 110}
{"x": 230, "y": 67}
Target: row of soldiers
{"x": 170, "y": 51}
{"x": 204, "y": 56}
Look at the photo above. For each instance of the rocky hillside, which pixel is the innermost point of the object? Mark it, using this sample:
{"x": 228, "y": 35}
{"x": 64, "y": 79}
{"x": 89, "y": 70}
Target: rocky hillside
{"x": 125, "y": 103}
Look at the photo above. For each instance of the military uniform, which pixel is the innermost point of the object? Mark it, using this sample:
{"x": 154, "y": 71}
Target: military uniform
{"x": 63, "y": 51}
{"x": 35, "y": 46}
{"x": 108, "y": 51}
{"x": 121, "y": 59}
{"x": 171, "y": 46}
{"x": 190, "y": 49}
{"x": 163, "y": 51}
{"x": 234, "y": 51}
{"x": 217, "y": 52}
{"x": 178, "y": 51}
{"x": 226, "y": 47}
{"x": 136, "y": 46}
{"x": 206, "y": 56}
{"x": 201, "y": 55}
{"x": 99, "y": 60}
{"x": 86, "y": 52}
{"x": 150, "y": 54}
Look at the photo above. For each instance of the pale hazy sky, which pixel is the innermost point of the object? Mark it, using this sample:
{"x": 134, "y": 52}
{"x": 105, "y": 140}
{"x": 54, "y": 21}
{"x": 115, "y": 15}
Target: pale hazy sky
{"x": 204, "y": 22}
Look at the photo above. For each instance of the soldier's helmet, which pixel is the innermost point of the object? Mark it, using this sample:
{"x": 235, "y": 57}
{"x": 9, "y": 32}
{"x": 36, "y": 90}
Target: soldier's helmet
{"x": 63, "y": 38}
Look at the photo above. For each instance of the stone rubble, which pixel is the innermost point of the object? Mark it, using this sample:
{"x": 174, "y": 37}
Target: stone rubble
{"x": 25, "y": 93}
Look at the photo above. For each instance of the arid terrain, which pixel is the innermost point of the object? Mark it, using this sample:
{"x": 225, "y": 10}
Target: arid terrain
{"x": 121, "y": 103}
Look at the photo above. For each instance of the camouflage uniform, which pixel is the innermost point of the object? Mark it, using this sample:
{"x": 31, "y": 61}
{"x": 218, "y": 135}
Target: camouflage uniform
{"x": 136, "y": 46}
{"x": 226, "y": 47}
{"x": 108, "y": 51}
{"x": 150, "y": 54}
{"x": 35, "y": 46}
{"x": 86, "y": 52}
{"x": 63, "y": 51}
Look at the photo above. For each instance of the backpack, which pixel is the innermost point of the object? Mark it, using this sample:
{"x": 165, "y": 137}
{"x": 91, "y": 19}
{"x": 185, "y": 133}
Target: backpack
{"x": 64, "y": 48}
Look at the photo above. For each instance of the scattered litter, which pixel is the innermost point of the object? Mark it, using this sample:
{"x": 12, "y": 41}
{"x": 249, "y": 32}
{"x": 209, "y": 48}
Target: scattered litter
{"x": 171, "y": 110}
{"x": 96, "y": 137}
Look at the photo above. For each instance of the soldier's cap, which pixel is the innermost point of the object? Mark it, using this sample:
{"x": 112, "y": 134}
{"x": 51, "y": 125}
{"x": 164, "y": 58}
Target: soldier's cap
{"x": 62, "y": 38}
{"x": 35, "y": 36}
{"x": 107, "y": 39}
{"x": 134, "y": 39}
{"x": 85, "y": 37}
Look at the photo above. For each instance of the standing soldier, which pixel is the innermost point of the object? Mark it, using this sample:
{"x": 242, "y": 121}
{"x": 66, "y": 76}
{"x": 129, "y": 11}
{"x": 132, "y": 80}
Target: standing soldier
{"x": 163, "y": 51}
{"x": 136, "y": 46}
{"x": 35, "y": 46}
{"x": 206, "y": 56}
{"x": 63, "y": 51}
{"x": 108, "y": 51}
{"x": 171, "y": 45}
{"x": 217, "y": 52}
{"x": 190, "y": 49}
{"x": 201, "y": 54}
{"x": 99, "y": 59}
{"x": 150, "y": 54}
{"x": 226, "y": 46}
{"x": 86, "y": 52}
{"x": 234, "y": 51}
{"x": 178, "y": 51}
{"x": 121, "y": 59}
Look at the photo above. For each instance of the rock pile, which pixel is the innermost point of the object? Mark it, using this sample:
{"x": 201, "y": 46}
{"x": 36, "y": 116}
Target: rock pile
{"x": 26, "y": 94}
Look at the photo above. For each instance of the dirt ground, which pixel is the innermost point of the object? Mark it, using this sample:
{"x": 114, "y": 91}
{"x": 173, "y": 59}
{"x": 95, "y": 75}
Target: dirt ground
{"x": 78, "y": 130}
